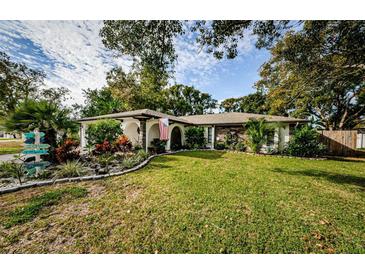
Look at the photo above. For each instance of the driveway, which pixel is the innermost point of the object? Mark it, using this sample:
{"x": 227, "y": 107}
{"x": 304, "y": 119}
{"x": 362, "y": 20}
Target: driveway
{"x": 7, "y": 157}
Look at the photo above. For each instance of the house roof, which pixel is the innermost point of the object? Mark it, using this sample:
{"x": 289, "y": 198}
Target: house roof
{"x": 140, "y": 113}
{"x": 227, "y": 118}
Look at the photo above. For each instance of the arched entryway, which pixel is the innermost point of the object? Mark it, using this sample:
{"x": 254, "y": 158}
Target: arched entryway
{"x": 132, "y": 132}
{"x": 153, "y": 133}
{"x": 176, "y": 139}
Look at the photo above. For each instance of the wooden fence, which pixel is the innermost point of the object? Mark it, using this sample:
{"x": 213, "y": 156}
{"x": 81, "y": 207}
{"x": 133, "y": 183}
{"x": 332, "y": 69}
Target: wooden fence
{"x": 340, "y": 142}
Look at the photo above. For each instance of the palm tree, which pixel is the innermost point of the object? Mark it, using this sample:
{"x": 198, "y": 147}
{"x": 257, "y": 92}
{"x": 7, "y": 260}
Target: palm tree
{"x": 44, "y": 115}
{"x": 257, "y": 131}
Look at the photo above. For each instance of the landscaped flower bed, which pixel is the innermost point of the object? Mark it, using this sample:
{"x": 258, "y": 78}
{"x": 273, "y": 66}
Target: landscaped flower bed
{"x": 86, "y": 166}
{"x": 109, "y": 152}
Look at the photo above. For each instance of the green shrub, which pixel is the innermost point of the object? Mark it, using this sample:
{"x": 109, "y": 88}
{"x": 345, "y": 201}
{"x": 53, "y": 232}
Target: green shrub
{"x": 159, "y": 145}
{"x": 70, "y": 169}
{"x": 104, "y": 130}
{"x": 131, "y": 162}
{"x": 105, "y": 160}
{"x": 231, "y": 140}
{"x": 194, "y": 137}
{"x": 240, "y": 146}
{"x": 143, "y": 155}
{"x": 305, "y": 143}
{"x": 257, "y": 131}
{"x": 28, "y": 212}
{"x": 135, "y": 159}
{"x": 220, "y": 145}
{"x": 14, "y": 170}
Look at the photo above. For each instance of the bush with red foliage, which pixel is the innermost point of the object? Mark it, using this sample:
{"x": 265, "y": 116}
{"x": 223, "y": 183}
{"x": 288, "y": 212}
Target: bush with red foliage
{"x": 68, "y": 151}
{"x": 123, "y": 144}
{"x": 105, "y": 147}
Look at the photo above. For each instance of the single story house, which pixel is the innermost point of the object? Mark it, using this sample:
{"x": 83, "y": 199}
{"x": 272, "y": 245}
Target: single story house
{"x": 142, "y": 126}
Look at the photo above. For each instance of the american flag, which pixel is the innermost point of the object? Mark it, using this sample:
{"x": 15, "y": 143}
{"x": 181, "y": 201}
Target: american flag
{"x": 164, "y": 128}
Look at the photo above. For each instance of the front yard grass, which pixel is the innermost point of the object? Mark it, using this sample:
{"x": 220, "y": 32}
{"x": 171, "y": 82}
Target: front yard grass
{"x": 11, "y": 146}
{"x": 202, "y": 202}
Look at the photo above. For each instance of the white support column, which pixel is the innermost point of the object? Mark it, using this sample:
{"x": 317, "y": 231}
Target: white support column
{"x": 213, "y": 137}
{"x": 276, "y": 138}
{"x": 83, "y": 140}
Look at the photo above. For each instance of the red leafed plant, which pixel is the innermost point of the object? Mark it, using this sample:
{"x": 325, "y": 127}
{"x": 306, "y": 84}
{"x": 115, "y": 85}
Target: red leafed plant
{"x": 103, "y": 148}
{"x": 123, "y": 144}
{"x": 68, "y": 151}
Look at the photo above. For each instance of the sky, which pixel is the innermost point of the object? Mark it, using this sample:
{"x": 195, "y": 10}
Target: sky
{"x": 72, "y": 55}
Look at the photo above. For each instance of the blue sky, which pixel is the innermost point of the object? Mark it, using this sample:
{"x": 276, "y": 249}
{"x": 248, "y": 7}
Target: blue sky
{"x": 72, "y": 55}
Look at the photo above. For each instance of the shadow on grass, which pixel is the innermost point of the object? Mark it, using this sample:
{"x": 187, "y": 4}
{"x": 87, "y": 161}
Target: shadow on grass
{"x": 329, "y": 176}
{"x": 161, "y": 162}
{"x": 347, "y": 159}
{"x": 207, "y": 155}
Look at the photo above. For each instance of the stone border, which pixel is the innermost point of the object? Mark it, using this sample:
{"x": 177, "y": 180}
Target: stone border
{"x": 137, "y": 167}
{"x": 87, "y": 178}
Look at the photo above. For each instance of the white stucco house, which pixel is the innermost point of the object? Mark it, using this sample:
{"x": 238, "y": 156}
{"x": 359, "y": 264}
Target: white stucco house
{"x": 142, "y": 126}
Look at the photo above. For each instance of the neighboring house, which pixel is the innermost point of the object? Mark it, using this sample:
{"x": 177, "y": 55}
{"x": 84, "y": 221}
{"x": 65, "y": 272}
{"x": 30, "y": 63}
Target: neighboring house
{"x": 4, "y": 134}
{"x": 141, "y": 127}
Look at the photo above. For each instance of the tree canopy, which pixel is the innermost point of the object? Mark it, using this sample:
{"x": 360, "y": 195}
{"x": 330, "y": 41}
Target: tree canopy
{"x": 149, "y": 42}
{"x": 251, "y": 103}
{"x": 185, "y": 100}
{"x": 100, "y": 102}
{"x": 17, "y": 83}
{"x": 319, "y": 72}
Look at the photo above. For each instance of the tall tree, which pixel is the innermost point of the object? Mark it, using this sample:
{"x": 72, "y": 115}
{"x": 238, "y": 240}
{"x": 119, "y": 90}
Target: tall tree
{"x": 251, "y": 103}
{"x": 56, "y": 95}
{"x": 319, "y": 72}
{"x": 222, "y": 37}
{"x": 184, "y": 100}
{"x": 100, "y": 102}
{"x": 17, "y": 83}
{"x": 149, "y": 42}
{"x": 137, "y": 89}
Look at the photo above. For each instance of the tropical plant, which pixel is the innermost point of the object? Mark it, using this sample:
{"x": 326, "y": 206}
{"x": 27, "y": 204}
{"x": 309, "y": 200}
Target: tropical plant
{"x": 305, "y": 142}
{"x": 256, "y": 131}
{"x": 105, "y": 160}
{"x": 104, "y": 130}
{"x": 70, "y": 169}
{"x": 123, "y": 143}
{"x": 194, "y": 137}
{"x": 104, "y": 147}
{"x": 68, "y": 151}
{"x": 131, "y": 161}
{"x": 143, "y": 155}
{"x": 43, "y": 115}
{"x": 159, "y": 145}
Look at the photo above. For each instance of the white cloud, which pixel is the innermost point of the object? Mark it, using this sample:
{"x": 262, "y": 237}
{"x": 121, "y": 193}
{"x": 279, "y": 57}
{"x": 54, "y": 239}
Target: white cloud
{"x": 72, "y": 54}
{"x": 78, "y": 58}
{"x": 198, "y": 67}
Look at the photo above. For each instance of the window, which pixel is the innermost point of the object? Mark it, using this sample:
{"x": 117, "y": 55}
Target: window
{"x": 209, "y": 135}
{"x": 291, "y": 129}
{"x": 270, "y": 137}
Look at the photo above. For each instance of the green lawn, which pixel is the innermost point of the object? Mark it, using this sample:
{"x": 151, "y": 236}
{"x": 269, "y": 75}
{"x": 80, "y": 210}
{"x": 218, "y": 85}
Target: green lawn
{"x": 199, "y": 202}
{"x": 11, "y": 146}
